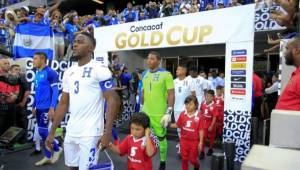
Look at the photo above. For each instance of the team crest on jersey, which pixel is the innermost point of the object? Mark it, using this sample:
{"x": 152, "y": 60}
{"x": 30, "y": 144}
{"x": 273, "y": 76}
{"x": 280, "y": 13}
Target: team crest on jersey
{"x": 156, "y": 77}
{"x": 196, "y": 118}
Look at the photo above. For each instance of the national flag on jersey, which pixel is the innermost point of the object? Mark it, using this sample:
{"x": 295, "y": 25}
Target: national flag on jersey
{"x": 31, "y": 38}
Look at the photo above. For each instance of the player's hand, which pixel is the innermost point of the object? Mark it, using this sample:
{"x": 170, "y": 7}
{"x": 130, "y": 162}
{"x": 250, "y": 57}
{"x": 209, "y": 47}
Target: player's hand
{"x": 33, "y": 112}
{"x": 104, "y": 141}
{"x": 165, "y": 120}
{"x": 147, "y": 132}
{"x": 51, "y": 113}
{"x": 49, "y": 141}
{"x": 210, "y": 128}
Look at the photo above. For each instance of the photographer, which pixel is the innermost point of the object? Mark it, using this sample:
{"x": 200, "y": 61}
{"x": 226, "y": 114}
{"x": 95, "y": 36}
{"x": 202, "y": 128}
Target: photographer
{"x": 21, "y": 101}
{"x": 9, "y": 91}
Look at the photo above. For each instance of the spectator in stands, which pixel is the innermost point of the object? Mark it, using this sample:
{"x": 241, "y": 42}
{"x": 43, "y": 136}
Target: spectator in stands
{"x": 288, "y": 17}
{"x": 98, "y": 19}
{"x": 58, "y": 30}
{"x": 272, "y": 93}
{"x": 195, "y": 6}
{"x": 24, "y": 12}
{"x": 72, "y": 29}
{"x": 185, "y": 7}
{"x": 290, "y": 97}
{"x": 167, "y": 9}
{"x": 221, "y": 5}
{"x": 176, "y": 8}
{"x": 152, "y": 10}
{"x": 142, "y": 16}
{"x": 209, "y": 7}
{"x": 234, "y": 3}
{"x": 21, "y": 109}
{"x": 3, "y": 33}
{"x": 129, "y": 14}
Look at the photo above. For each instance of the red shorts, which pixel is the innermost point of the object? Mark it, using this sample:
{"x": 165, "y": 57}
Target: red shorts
{"x": 205, "y": 123}
{"x": 189, "y": 149}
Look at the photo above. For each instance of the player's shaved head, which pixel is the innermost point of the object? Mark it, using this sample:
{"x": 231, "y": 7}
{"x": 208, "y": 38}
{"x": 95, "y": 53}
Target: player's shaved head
{"x": 91, "y": 39}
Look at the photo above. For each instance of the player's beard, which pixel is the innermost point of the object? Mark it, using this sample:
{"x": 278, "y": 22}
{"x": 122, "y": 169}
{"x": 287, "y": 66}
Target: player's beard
{"x": 289, "y": 59}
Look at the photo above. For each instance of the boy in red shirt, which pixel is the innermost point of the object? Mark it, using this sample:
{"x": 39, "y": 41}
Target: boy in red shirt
{"x": 219, "y": 100}
{"x": 138, "y": 146}
{"x": 208, "y": 120}
{"x": 189, "y": 124}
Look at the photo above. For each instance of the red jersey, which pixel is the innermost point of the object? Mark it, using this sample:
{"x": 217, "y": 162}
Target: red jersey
{"x": 219, "y": 100}
{"x": 207, "y": 113}
{"x": 290, "y": 97}
{"x": 189, "y": 125}
{"x": 137, "y": 154}
{"x": 208, "y": 110}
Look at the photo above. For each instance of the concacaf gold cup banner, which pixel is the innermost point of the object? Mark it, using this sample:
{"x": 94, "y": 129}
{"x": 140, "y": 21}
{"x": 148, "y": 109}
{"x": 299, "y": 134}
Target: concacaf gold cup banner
{"x": 219, "y": 26}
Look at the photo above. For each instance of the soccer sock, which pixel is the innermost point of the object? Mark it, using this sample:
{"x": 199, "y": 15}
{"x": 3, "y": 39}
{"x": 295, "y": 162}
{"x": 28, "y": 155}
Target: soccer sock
{"x": 55, "y": 146}
{"x": 163, "y": 145}
{"x": 185, "y": 164}
{"x": 211, "y": 142}
{"x": 37, "y": 144}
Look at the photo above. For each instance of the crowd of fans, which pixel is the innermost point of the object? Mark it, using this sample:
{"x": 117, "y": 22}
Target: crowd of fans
{"x": 66, "y": 25}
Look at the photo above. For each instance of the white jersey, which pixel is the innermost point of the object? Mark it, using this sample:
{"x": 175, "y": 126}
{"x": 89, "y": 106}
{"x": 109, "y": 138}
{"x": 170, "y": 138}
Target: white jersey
{"x": 183, "y": 88}
{"x": 200, "y": 85}
{"x": 215, "y": 82}
{"x": 85, "y": 85}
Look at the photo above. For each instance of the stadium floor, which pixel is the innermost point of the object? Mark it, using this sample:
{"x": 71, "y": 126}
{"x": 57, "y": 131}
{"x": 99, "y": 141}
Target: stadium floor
{"x": 22, "y": 161}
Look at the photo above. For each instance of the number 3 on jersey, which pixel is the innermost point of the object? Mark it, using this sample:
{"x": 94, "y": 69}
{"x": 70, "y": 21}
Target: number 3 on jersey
{"x": 76, "y": 90}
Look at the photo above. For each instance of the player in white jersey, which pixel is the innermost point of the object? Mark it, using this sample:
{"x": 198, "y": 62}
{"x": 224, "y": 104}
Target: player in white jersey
{"x": 208, "y": 82}
{"x": 85, "y": 87}
{"x": 184, "y": 87}
{"x": 200, "y": 84}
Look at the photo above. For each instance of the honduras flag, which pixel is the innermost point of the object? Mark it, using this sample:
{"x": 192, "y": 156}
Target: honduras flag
{"x": 31, "y": 38}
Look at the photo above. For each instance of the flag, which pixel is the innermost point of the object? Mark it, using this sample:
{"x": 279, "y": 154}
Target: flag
{"x": 31, "y": 38}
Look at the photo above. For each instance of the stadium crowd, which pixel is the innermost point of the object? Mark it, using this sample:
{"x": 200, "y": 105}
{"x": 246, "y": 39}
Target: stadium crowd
{"x": 66, "y": 25}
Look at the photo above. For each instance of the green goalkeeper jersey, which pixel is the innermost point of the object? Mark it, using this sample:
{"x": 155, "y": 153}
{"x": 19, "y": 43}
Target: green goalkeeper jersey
{"x": 155, "y": 87}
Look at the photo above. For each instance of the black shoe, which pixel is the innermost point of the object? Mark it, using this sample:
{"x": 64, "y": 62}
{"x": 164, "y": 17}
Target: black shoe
{"x": 162, "y": 165}
{"x": 35, "y": 152}
{"x": 196, "y": 167}
{"x": 209, "y": 152}
{"x": 202, "y": 155}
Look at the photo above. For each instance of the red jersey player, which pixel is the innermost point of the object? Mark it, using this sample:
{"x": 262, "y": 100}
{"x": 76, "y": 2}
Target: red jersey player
{"x": 189, "y": 124}
{"x": 138, "y": 146}
{"x": 208, "y": 119}
{"x": 219, "y": 100}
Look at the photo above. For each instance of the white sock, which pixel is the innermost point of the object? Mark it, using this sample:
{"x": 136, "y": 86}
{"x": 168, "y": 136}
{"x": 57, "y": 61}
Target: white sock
{"x": 37, "y": 145}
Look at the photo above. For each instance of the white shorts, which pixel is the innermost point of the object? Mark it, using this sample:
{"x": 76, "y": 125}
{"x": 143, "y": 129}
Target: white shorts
{"x": 81, "y": 151}
{"x": 59, "y": 40}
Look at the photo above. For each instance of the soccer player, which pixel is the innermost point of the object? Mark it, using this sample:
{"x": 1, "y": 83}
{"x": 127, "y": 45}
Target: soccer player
{"x": 138, "y": 145}
{"x": 208, "y": 119}
{"x": 45, "y": 100}
{"x": 85, "y": 87}
{"x": 184, "y": 87}
{"x": 201, "y": 85}
{"x": 219, "y": 100}
{"x": 158, "y": 101}
{"x": 189, "y": 123}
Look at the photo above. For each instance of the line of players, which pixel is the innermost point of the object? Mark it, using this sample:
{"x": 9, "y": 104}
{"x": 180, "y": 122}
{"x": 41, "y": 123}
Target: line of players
{"x": 206, "y": 119}
{"x": 199, "y": 114}
{"x": 195, "y": 122}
